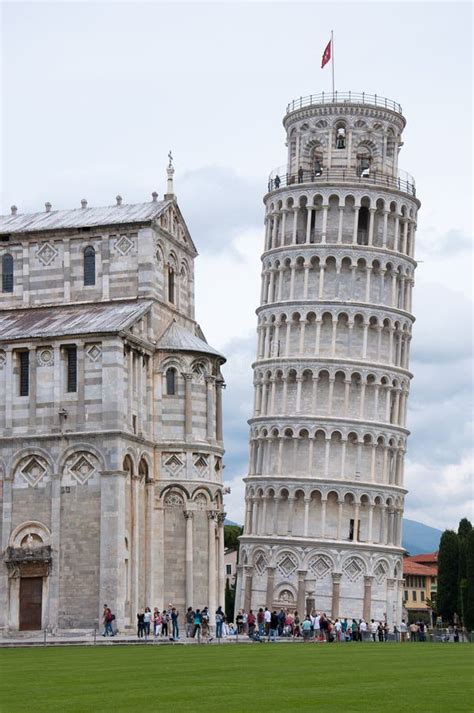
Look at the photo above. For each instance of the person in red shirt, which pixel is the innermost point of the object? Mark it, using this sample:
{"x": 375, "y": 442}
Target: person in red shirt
{"x": 251, "y": 619}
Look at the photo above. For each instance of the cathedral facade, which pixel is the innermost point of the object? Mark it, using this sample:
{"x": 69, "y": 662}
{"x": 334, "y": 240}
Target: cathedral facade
{"x": 325, "y": 488}
{"x": 110, "y": 419}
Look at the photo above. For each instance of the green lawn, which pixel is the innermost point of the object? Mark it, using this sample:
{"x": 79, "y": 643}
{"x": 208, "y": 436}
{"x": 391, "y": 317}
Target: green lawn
{"x": 239, "y": 678}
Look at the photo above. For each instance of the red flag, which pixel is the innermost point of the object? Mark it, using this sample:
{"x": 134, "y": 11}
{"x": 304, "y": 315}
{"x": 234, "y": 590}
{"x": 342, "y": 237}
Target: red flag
{"x": 326, "y": 54}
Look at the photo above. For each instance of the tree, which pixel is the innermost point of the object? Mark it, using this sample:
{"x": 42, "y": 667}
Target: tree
{"x": 448, "y": 575}
{"x": 469, "y": 594}
{"x": 231, "y": 537}
{"x": 464, "y": 529}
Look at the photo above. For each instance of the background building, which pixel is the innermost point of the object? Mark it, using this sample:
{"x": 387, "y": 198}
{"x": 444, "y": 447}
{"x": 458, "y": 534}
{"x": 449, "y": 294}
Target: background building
{"x": 420, "y": 573}
{"x": 110, "y": 421}
{"x": 324, "y": 494}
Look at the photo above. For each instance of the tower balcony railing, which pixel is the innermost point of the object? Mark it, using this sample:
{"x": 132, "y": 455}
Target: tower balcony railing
{"x": 343, "y": 98}
{"x": 280, "y": 178}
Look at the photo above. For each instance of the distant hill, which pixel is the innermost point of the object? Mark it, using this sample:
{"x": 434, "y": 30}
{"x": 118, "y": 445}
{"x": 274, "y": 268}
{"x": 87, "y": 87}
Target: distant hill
{"x": 419, "y": 538}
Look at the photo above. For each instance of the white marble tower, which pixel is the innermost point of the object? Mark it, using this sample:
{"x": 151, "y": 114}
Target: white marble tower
{"x": 325, "y": 491}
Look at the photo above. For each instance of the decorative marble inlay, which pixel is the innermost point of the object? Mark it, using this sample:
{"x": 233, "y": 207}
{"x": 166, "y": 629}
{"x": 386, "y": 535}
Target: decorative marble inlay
{"x": 353, "y": 569}
{"x": 82, "y": 469}
{"x": 172, "y": 463}
{"x": 201, "y": 501}
{"x": 46, "y": 254}
{"x": 201, "y": 464}
{"x": 287, "y": 564}
{"x": 123, "y": 245}
{"x": 173, "y": 500}
{"x": 320, "y": 566}
{"x": 33, "y": 471}
{"x": 286, "y": 596}
{"x": 3, "y": 358}
{"x": 94, "y": 352}
{"x": 261, "y": 563}
{"x": 381, "y": 572}
{"x": 45, "y": 356}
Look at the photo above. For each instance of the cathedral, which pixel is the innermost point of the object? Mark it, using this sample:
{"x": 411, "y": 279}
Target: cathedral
{"x": 110, "y": 418}
{"x": 325, "y": 488}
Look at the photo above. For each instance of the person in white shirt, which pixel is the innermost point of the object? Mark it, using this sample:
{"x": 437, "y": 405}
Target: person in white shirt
{"x": 373, "y": 630}
{"x": 338, "y": 629}
{"x": 267, "y": 618}
{"x": 363, "y": 629}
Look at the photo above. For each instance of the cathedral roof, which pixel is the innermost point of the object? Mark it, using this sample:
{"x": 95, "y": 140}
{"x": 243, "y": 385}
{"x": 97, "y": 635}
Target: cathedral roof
{"x": 71, "y": 319}
{"x": 82, "y": 217}
{"x": 177, "y": 338}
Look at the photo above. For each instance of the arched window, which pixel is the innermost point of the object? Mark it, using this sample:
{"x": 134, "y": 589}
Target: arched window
{"x": 89, "y": 266}
{"x": 7, "y": 273}
{"x": 340, "y": 136}
{"x": 363, "y": 225}
{"x": 171, "y": 285}
{"x": 171, "y": 381}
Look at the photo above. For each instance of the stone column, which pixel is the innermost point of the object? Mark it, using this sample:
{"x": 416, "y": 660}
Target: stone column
{"x": 336, "y": 589}
{"x": 325, "y": 223}
{"x": 307, "y": 502}
{"x": 270, "y": 587}
{"x": 210, "y": 406}
{"x": 6, "y": 531}
{"x": 220, "y": 560}
{"x": 339, "y": 227}
{"x": 291, "y": 501}
{"x": 112, "y": 543}
{"x": 308, "y": 224}
{"x": 371, "y": 520}
{"x": 212, "y": 567}
{"x": 189, "y": 515}
{"x": 295, "y": 223}
{"x": 248, "y": 572}
{"x": 219, "y": 430}
{"x": 238, "y": 586}
{"x": 356, "y": 224}
{"x": 385, "y": 226}
{"x": 188, "y": 407}
{"x": 372, "y": 212}
{"x": 150, "y": 539}
{"x": 323, "y": 517}
{"x": 367, "y": 597}
{"x": 300, "y": 602}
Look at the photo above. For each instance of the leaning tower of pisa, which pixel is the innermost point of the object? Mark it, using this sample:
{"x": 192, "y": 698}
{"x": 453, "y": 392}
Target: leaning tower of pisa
{"x": 325, "y": 491}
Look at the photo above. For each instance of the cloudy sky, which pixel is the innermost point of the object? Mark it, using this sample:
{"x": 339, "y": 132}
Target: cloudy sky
{"x": 93, "y": 96}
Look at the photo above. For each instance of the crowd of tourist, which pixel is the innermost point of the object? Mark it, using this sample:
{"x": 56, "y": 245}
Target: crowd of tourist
{"x": 263, "y": 625}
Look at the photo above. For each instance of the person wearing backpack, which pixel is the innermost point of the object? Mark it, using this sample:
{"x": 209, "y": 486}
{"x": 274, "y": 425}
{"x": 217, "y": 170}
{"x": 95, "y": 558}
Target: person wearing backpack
{"x": 197, "y": 624}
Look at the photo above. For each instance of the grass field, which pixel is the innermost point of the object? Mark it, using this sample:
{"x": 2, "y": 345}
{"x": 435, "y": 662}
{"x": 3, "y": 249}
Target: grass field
{"x": 238, "y": 678}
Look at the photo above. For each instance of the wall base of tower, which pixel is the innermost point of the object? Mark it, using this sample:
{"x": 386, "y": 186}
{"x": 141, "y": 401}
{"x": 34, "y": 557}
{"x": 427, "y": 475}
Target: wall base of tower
{"x": 338, "y": 578}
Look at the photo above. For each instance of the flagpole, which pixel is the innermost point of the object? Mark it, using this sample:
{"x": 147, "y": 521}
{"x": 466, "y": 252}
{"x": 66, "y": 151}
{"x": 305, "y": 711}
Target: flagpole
{"x": 332, "y": 63}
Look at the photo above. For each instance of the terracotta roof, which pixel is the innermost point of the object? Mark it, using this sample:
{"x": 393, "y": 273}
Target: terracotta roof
{"x": 73, "y": 319}
{"x": 177, "y": 338}
{"x": 82, "y": 217}
{"x": 429, "y": 557}
{"x": 411, "y": 567}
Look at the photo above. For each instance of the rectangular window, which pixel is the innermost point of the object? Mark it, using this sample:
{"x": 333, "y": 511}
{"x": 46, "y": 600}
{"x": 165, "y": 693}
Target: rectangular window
{"x": 422, "y": 596}
{"x": 71, "y": 367}
{"x": 24, "y": 361}
{"x": 413, "y": 595}
{"x": 228, "y": 569}
{"x": 405, "y": 595}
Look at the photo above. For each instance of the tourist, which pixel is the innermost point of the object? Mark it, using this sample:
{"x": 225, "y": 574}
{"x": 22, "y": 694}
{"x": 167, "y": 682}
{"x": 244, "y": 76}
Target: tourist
{"x": 277, "y": 181}
{"x": 205, "y": 623}
{"x": 239, "y": 620}
{"x": 244, "y": 621}
{"x": 189, "y": 622}
{"x": 296, "y": 626}
{"x": 273, "y": 626}
{"x": 355, "y": 632}
{"x": 219, "y": 622}
{"x": 306, "y": 628}
{"x": 362, "y": 630}
{"x": 174, "y": 623}
{"x": 403, "y": 631}
{"x": 380, "y": 631}
{"x": 147, "y": 622}
{"x": 288, "y": 630}
{"x": 261, "y": 621}
{"x": 197, "y": 624}
{"x": 413, "y": 631}
{"x": 140, "y": 623}
{"x": 107, "y": 618}
{"x": 300, "y": 175}
{"x": 281, "y": 622}
{"x": 164, "y": 623}
{"x": 421, "y": 631}
{"x": 373, "y": 630}
{"x": 338, "y": 629}
{"x": 251, "y": 620}
{"x": 267, "y": 618}
{"x": 156, "y": 623}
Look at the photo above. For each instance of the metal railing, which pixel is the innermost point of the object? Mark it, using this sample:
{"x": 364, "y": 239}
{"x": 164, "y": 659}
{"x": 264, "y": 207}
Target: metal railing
{"x": 279, "y": 178}
{"x": 343, "y": 98}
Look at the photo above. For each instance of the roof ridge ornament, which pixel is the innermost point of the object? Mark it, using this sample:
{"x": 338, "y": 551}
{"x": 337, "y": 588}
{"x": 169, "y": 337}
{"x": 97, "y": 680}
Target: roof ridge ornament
{"x": 169, "y": 195}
